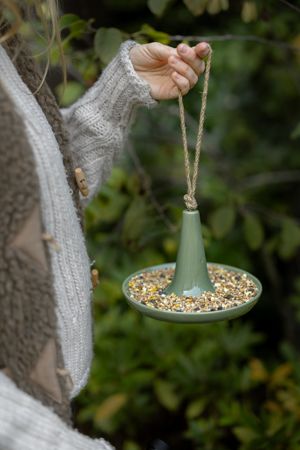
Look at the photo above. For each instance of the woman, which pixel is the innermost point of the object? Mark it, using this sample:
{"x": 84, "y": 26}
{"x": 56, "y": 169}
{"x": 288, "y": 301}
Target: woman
{"x": 52, "y": 164}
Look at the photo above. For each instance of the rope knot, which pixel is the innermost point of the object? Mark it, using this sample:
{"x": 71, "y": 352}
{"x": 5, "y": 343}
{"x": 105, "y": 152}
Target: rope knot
{"x": 190, "y": 202}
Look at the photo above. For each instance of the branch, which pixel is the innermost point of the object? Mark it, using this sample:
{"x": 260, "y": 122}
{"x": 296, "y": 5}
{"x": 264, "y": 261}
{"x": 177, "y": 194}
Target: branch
{"x": 290, "y": 5}
{"x": 272, "y": 216}
{"x": 146, "y": 183}
{"x": 267, "y": 178}
{"x": 237, "y": 37}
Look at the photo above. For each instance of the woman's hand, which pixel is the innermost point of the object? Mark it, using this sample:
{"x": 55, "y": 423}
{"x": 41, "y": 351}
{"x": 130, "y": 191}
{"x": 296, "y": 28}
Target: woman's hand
{"x": 168, "y": 69}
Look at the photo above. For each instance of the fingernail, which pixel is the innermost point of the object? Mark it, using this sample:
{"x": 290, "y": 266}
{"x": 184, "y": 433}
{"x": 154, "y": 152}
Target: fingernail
{"x": 183, "y": 48}
{"x": 207, "y": 49}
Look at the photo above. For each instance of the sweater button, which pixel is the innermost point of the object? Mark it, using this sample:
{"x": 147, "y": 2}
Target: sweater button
{"x": 81, "y": 181}
{"x": 95, "y": 278}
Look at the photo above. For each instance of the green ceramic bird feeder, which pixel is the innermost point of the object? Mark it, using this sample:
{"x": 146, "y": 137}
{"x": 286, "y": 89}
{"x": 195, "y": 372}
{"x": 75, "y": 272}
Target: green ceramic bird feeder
{"x": 192, "y": 290}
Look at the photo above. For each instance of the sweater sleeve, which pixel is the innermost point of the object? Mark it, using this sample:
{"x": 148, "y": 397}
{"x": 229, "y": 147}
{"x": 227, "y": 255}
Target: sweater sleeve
{"x": 27, "y": 424}
{"x": 99, "y": 122}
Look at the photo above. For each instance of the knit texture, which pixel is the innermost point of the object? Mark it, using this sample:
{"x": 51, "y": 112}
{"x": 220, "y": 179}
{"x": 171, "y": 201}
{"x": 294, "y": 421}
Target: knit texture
{"x": 103, "y": 123}
{"x": 26, "y": 424}
{"x": 99, "y": 123}
{"x": 31, "y": 75}
{"x": 70, "y": 264}
{"x": 103, "y": 116}
{"x": 27, "y": 300}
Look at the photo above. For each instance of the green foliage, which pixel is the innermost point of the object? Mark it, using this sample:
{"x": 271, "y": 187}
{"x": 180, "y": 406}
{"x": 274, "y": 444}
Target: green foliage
{"x": 296, "y": 132}
{"x": 289, "y": 238}
{"x": 198, "y": 7}
{"x": 75, "y": 26}
{"x": 107, "y": 42}
{"x": 150, "y": 33}
{"x": 158, "y": 7}
{"x": 249, "y": 11}
{"x": 222, "y": 220}
{"x": 214, "y": 387}
{"x": 253, "y": 231}
{"x": 70, "y": 93}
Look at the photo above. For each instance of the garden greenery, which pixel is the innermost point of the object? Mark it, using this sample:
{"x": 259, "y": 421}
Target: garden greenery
{"x": 212, "y": 387}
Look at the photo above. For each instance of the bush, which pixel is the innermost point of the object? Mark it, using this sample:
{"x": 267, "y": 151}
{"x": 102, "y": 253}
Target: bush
{"x": 224, "y": 386}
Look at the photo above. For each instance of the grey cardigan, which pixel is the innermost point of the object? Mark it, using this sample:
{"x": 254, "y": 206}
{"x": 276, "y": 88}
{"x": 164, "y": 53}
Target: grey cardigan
{"x": 45, "y": 288}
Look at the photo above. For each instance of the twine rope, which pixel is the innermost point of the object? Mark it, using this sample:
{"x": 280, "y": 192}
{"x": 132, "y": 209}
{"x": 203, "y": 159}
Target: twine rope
{"x": 189, "y": 197}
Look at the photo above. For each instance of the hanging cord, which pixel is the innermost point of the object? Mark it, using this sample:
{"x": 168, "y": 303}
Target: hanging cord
{"x": 189, "y": 197}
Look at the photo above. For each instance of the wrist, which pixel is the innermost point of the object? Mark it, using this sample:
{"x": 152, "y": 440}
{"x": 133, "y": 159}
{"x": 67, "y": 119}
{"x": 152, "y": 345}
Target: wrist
{"x": 133, "y": 56}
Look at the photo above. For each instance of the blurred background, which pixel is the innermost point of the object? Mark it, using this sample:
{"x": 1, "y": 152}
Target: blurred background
{"x": 225, "y": 386}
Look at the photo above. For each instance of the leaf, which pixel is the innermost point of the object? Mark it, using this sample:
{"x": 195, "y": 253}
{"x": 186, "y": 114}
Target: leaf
{"x": 216, "y": 6}
{"x": 70, "y": 93}
{"x": 289, "y": 400}
{"x": 110, "y": 204}
{"x": 258, "y": 371}
{"x": 224, "y": 4}
{"x": 296, "y": 132}
{"x": 230, "y": 412}
{"x": 170, "y": 246}
{"x": 196, "y": 7}
{"x": 76, "y": 25}
{"x": 110, "y": 407}
{"x": 281, "y": 374}
{"x": 249, "y": 12}
{"x": 273, "y": 407}
{"x": 131, "y": 445}
{"x": 67, "y": 20}
{"x": 106, "y": 43}
{"x": 289, "y": 239}
{"x": 118, "y": 178}
{"x": 253, "y": 231}
{"x": 166, "y": 394}
{"x": 195, "y": 408}
{"x": 134, "y": 220}
{"x": 155, "y": 35}
{"x": 276, "y": 423}
{"x": 139, "y": 379}
{"x": 111, "y": 289}
{"x": 158, "y": 7}
{"x": 222, "y": 220}
{"x": 86, "y": 413}
{"x": 245, "y": 434}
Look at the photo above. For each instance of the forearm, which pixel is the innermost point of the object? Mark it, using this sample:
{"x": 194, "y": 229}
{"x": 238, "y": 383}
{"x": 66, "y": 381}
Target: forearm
{"x": 99, "y": 122}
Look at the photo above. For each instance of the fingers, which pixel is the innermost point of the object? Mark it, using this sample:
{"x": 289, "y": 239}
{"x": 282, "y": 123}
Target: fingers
{"x": 181, "y": 82}
{"x": 192, "y": 56}
{"x": 202, "y": 49}
{"x": 183, "y": 69}
{"x": 160, "y": 51}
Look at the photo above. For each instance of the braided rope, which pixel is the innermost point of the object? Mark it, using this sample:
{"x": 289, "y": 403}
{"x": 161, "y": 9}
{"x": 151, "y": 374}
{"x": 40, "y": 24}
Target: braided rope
{"x": 189, "y": 197}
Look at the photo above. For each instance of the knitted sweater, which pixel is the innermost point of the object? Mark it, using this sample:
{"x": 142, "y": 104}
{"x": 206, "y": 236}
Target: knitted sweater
{"x": 97, "y": 125}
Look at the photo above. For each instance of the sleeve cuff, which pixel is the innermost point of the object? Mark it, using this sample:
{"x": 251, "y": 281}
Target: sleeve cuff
{"x": 121, "y": 89}
{"x": 139, "y": 86}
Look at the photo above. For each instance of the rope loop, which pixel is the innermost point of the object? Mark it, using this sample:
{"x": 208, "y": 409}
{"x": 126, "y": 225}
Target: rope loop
{"x": 189, "y": 197}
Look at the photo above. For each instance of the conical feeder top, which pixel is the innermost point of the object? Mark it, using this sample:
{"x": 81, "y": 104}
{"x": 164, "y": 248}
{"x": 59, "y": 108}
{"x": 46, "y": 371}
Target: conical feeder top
{"x": 191, "y": 275}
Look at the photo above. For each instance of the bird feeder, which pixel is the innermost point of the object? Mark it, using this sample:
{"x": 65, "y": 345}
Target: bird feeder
{"x": 192, "y": 290}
